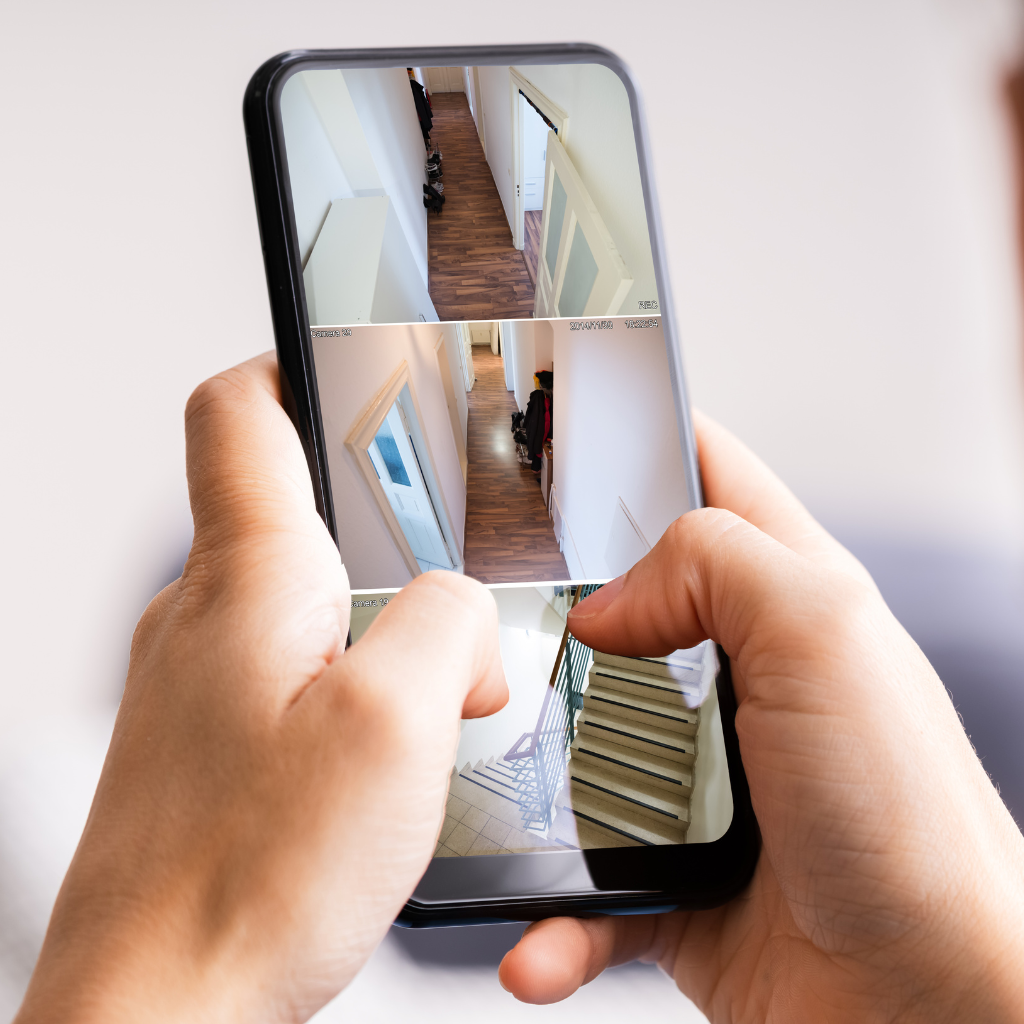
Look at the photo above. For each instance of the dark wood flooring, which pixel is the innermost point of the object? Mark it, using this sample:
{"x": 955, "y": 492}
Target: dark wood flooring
{"x": 475, "y": 272}
{"x": 509, "y": 537}
{"x": 531, "y": 250}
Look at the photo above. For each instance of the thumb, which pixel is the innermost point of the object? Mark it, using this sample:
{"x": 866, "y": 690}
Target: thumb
{"x": 433, "y": 652}
{"x": 714, "y": 576}
{"x": 247, "y": 475}
{"x": 262, "y": 560}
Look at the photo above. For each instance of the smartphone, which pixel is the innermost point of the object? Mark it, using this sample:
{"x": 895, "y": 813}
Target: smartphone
{"x": 477, "y": 348}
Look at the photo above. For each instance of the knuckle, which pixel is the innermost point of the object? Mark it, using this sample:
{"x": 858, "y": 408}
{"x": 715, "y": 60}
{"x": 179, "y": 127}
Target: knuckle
{"x": 226, "y": 389}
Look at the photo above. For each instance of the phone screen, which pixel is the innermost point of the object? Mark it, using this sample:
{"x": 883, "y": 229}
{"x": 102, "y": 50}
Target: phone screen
{"x": 497, "y": 400}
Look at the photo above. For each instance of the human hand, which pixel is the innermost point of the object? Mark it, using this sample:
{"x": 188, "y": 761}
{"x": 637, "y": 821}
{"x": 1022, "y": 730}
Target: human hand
{"x": 269, "y": 799}
{"x": 891, "y": 881}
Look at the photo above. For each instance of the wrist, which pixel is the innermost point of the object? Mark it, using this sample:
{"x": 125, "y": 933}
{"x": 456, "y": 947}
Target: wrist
{"x": 139, "y": 970}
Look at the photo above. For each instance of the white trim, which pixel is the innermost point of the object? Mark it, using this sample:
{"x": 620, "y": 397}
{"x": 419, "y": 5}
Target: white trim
{"x": 556, "y": 115}
{"x": 358, "y": 442}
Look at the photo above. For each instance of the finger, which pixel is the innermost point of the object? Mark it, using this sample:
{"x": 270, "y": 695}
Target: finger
{"x": 246, "y": 470}
{"x": 386, "y": 717}
{"x": 736, "y": 479}
{"x": 434, "y": 652}
{"x": 262, "y": 562}
{"x": 713, "y": 575}
{"x": 556, "y": 957}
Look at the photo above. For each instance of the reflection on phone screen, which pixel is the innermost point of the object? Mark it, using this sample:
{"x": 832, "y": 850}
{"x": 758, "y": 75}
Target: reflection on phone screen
{"x": 496, "y": 401}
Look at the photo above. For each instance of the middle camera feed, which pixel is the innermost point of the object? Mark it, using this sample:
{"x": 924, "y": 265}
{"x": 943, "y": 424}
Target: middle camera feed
{"x": 496, "y": 401}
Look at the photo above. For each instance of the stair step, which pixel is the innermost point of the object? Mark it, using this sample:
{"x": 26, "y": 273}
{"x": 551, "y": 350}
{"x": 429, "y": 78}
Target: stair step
{"x": 670, "y": 745}
{"x": 480, "y": 793}
{"x": 596, "y": 811}
{"x": 670, "y": 776}
{"x": 640, "y": 683}
{"x": 672, "y": 666}
{"x": 676, "y": 717}
{"x": 629, "y": 795}
{"x": 593, "y": 837}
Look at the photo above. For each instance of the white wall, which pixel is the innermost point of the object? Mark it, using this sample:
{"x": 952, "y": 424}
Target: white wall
{"x": 615, "y": 436}
{"x": 452, "y": 345}
{"x": 495, "y": 126}
{"x": 532, "y": 349}
{"x": 350, "y": 370}
{"x": 401, "y": 295}
{"x": 355, "y": 134}
{"x": 387, "y": 112}
{"x": 316, "y": 174}
{"x": 711, "y": 804}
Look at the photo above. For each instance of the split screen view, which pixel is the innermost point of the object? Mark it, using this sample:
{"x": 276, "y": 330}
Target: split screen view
{"x": 496, "y": 401}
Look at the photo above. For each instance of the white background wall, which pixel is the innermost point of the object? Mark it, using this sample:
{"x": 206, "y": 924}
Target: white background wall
{"x": 350, "y": 371}
{"x": 836, "y": 193}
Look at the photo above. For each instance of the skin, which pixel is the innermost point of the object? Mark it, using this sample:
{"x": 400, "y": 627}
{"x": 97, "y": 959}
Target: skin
{"x": 890, "y": 882}
{"x": 269, "y": 800}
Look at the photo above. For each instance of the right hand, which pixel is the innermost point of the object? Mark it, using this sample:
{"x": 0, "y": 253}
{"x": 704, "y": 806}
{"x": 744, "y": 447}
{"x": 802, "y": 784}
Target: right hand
{"x": 891, "y": 881}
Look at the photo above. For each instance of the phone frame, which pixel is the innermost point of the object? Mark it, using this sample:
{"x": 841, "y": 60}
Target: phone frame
{"x": 724, "y": 867}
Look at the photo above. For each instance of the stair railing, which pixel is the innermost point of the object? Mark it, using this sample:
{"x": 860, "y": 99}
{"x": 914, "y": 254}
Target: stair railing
{"x": 539, "y": 758}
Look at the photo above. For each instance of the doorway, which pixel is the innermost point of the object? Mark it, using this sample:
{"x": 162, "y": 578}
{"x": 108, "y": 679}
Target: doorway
{"x": 535, "y": 117}
{"x": 535, "y": 128}
{"x": 391, "y": 450}
{"x": 398, "y": 467}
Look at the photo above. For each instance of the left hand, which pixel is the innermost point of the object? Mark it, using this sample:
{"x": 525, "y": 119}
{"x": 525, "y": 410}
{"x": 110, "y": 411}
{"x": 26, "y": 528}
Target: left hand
{"x": 269, "y": 800}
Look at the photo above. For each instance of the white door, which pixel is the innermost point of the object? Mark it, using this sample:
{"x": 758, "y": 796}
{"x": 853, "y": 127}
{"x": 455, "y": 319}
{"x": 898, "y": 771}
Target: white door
{"x": 444, "y": 79}
{"x": 580, "y": 271}
{"x": 535, "y": 144}
{"x": 394, "y": 458}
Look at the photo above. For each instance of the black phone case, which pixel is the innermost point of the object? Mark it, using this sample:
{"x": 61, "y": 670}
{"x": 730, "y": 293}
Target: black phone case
{"x": 661, "y": 878}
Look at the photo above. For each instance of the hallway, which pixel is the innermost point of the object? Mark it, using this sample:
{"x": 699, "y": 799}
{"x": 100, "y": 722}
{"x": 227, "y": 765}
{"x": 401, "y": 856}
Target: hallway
{"x": 509, "y": 537}
{"x": 475, "y": 273}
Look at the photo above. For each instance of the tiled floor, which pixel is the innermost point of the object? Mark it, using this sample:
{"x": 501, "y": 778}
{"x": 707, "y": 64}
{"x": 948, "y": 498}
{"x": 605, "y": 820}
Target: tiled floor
{"x": 479, "y": 821}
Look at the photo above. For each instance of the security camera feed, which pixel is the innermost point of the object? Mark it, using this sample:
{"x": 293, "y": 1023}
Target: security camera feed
{"x": 496, "y": 400}
{"x": 482, "y": 193}
{"x": 592, "y": 751}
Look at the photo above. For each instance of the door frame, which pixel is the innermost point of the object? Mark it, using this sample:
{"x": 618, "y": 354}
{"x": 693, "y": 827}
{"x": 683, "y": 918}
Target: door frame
{"x": 444, "y": 367}
{"x": 556, "y": 115}
{"x": 358, "y": 442}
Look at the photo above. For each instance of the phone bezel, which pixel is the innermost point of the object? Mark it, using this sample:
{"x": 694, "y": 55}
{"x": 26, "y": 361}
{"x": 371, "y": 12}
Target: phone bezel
{"x": 720, "y": 869}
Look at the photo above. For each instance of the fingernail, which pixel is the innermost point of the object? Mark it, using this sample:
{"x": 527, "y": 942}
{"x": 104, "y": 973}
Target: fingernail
{"x": 599, "y": 600}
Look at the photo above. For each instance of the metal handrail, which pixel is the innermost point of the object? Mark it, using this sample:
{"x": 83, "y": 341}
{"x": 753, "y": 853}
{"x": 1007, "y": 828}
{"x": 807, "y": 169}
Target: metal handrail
{"x": 540, "y": 767}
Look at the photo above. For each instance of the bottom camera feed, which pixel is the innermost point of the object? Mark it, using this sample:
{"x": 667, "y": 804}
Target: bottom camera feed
{"x": 542, "y": 458}
{"x": 592, "y": 751}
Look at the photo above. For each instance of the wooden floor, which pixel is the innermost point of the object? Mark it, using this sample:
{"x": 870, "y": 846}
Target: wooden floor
{"x": 531, "y": 250}
{"x": 475, "y": 272}
{"x": 509, "y": 537}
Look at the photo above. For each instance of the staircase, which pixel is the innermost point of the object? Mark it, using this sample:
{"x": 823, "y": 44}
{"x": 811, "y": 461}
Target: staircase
{"x": 631, "y": 762}
{"x": 485, "y": 814}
